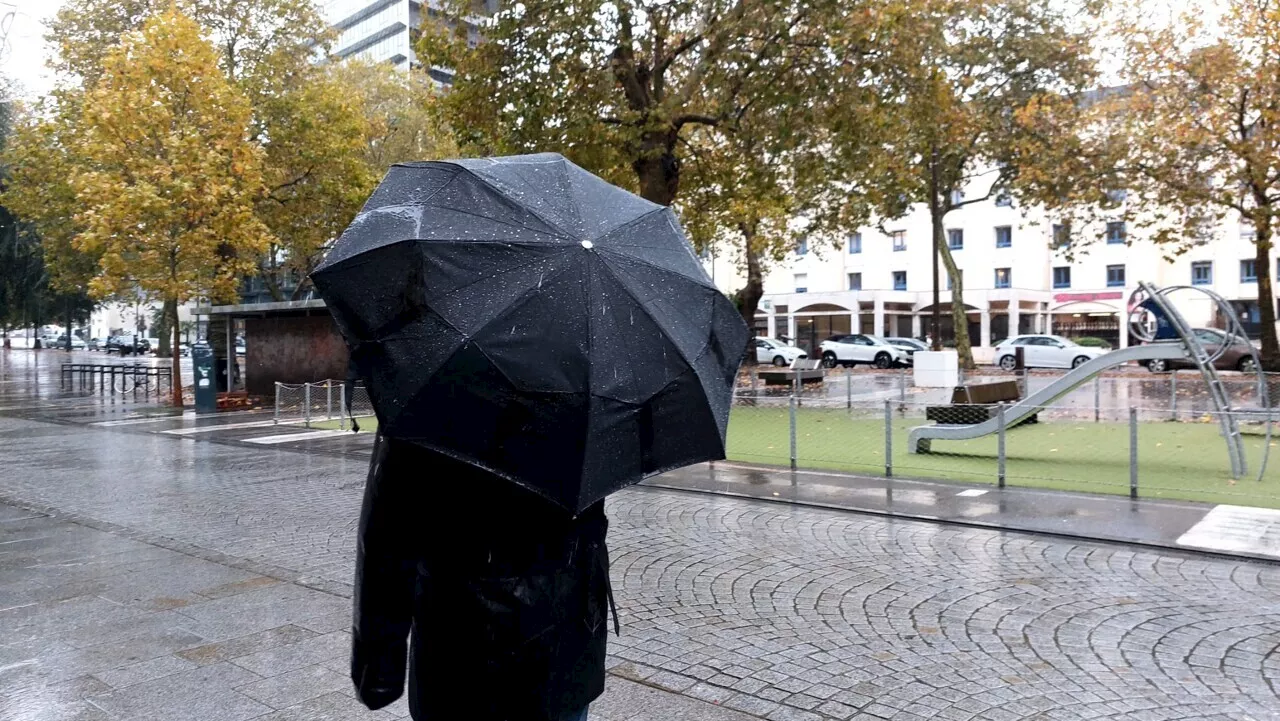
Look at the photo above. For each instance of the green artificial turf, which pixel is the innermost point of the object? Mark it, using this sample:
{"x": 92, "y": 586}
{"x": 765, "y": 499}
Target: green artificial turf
{"x": 1183, "y": 460}
{"x": 367, "y": 423}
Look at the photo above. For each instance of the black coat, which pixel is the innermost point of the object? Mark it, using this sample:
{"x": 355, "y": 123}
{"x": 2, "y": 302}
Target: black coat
{"x": 506, "y": 595}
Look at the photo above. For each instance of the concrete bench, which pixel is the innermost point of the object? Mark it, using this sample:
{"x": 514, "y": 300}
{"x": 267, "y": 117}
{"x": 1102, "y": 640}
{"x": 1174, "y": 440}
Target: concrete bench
{"x": 806, "y": 370}
{"x": 976, "y": 402}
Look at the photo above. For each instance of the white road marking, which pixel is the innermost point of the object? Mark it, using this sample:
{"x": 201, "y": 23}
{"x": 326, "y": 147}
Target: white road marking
{"x": 224, "y": 426}
{"x": 288, "y": 437}
{"x": 972, "y": 492}
{"x": 135, "y": 421}
{"x": 1237, "y": 529}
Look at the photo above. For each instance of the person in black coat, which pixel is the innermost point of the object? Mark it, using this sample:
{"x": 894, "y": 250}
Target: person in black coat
{"x": 498, "y": 598}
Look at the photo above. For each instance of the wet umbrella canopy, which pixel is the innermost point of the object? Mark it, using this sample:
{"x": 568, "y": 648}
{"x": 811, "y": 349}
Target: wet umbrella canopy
{"x": 527, "y": 317}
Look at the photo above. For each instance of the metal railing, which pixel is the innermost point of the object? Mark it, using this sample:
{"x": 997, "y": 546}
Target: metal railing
{"x": 323, "y": 401}
{"x": 123, "y": 380}
{"x": 1150, "y": 436}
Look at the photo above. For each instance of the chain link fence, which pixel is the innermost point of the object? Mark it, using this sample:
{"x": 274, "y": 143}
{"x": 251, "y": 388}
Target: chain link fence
{"x": 323, "y": 402}
{"x": 1149, "y": 435}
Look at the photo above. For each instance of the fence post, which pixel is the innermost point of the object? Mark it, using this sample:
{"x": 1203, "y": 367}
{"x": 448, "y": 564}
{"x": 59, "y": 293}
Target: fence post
{"x": 1173, "y": 395}
{"x": 796, "y": 389}
{"x": 888, "y": 438}
{"x": 902, "y": 385}
{"x": 1133, "y": 453}
{"x": 306, "y": 401}
{"x": 1097, "y": 398}
{"x": 328, "y": 399}
{"x": 275, "y": 415}
{"x": 342, "y": 406}
{"x": 848, "y": 387}
{"x": 792, "y": 405}
{"x": 1000, "y": 429}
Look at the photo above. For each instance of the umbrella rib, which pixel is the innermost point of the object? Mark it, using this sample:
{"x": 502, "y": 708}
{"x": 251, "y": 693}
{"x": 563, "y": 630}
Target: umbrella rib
{"x": 500, "y": 222}
{"x": 530, "y": 210}
{"x": 512, "y": 269}
{"x": 705, "y": 283}
{"x": 629, "y": 223}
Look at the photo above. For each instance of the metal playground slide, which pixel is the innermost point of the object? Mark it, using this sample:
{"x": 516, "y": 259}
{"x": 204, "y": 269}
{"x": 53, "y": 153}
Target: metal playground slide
{"x": 1165, "y": 334}
{"x": 1015, "y": 413}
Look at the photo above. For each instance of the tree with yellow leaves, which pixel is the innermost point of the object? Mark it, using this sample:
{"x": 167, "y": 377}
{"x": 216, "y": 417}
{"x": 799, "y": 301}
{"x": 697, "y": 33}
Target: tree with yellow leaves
{"x": 169, "y": 177}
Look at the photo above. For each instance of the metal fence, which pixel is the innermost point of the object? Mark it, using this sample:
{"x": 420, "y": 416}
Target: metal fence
{"x": 323, "y": 402}
{"x": 1155, "y": 435}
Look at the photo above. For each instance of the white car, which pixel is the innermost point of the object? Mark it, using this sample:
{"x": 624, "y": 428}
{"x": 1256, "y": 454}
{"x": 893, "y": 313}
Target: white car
{"x": 770, "y": 350}
{"x": 849, "y": 350}
{"x": 1044, "y": 351}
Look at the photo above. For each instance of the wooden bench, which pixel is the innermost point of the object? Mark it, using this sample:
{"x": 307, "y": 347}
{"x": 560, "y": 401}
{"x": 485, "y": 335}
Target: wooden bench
{"x": 976, "y": 402}
{"x": 806, "y": 370}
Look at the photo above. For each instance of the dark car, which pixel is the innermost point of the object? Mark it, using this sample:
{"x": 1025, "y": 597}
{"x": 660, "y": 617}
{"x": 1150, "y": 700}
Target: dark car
{"x": 128, "y": 344}
{"x": 910, "y": 345}
{"x": 1237, "y": 357}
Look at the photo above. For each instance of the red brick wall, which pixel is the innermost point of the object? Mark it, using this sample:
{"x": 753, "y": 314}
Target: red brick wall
{"x": 292, "y": 349}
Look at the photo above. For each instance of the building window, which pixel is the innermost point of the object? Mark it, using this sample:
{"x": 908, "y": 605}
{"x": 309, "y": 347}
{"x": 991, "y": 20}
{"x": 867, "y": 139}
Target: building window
{"x": 1004, "y": 236}
{"x": 1202, "y": 272}
{"x": 1061, "y": 235}
{"x": 1003, "y": 199}
{"x": 802, "y": 282}
{"x": 899, "y": 239}
{"x": 957, "y": 196}
{"x": 1115, "y": 276}
{"x": 855, "y": 243}
{"x": 855, "y": 281}
{"x": 955, "y": 239}
{"x": 1248, "y": 271}
{"x": 802, "y": 248}
{"x": 1116, "y": 232}
{"x": 1003, "y": 277}
{"x": 1062, "y": 276}
{"x": 959, "y": 272}
{"x": 899, "y": 280}
{"x": 1117, "y": 195}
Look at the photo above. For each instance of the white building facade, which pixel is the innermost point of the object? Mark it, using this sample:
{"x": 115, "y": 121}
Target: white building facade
{"x": 1015, "y": 281}
{"x": 384, "y": 31}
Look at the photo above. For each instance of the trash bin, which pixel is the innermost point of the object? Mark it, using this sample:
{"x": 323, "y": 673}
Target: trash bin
{"x": 202, "y": 370}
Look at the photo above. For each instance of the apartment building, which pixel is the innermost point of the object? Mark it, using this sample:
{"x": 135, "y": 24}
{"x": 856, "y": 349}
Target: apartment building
{"x": 385, "y": 30}
{"x": 1016, "y": 273}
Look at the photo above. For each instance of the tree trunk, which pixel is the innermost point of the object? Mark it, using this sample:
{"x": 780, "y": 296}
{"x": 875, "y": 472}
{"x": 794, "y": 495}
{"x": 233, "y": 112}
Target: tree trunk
{"x": 935, "y": 219}
{"x": 658, "y": 169}
{"x": 70, "y": 321}
{"x": 171, "y": 311}
{"x": 749, "y": 296}
{"x": 959, "y": 315}
{"x": 1266, "y": 296}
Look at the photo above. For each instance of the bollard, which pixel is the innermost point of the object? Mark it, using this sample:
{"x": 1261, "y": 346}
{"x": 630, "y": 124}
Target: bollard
{"x": 328, "y": 399}
{"x": 1000, "y": 431}
{"x": 902, "y": 385}
{"x": 792, "y": 405}
{"x": 753, "y": 384}
{"x": 306, "y": 401}
{"x": 1097, "y": 398}
{"x": 275, "y": 415}
{"x": 342, "y": 407}
{"x": 1133, "y": 453}
{"x": 848, "y": 387}
{"x": 888, "y": 438}
{"x": 1173, "y": 395}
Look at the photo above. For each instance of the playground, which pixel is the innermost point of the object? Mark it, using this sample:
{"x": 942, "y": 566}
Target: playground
{"x": 1183, "y": 459}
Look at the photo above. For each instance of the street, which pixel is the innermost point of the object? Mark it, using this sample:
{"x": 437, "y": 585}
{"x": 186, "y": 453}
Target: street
{"x": 149, "y": 575}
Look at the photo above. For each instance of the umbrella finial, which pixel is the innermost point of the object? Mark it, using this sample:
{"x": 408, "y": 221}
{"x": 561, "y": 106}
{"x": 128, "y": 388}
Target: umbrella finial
{"x": 588, "y": 244}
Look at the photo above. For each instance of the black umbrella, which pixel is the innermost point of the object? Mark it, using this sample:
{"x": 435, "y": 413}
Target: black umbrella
{"x": 527, "y": 317}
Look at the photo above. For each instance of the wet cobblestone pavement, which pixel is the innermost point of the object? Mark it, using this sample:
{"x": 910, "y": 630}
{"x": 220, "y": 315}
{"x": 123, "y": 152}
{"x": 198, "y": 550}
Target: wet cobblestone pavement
{"x": 147, "y": 575}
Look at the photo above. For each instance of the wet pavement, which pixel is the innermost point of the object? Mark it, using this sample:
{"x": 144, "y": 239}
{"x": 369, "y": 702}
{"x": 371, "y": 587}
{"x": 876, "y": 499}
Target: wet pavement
{"x": 148, "y": 574}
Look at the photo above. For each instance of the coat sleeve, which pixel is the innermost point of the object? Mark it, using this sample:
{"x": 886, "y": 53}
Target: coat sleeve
{"x": 386, "y": 575}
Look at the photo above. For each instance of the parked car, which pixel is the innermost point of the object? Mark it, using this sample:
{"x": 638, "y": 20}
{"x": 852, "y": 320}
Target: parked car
{"x": 61, "y": 342}
{"x": 771, "y": 350}
{"x": 850, "y": 350}
{"x": 1237, "y": 357}
{"x": 128, "y": 344}
{"x": 1044, "y": 351}
{"x": 96, "y": 344}
{"x": 910, "y": 345}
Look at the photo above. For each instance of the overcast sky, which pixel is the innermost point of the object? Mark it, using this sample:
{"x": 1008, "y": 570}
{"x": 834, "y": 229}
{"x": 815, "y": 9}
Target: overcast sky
{"x": 24, "y": 56}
